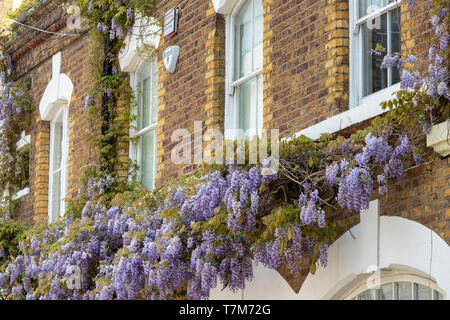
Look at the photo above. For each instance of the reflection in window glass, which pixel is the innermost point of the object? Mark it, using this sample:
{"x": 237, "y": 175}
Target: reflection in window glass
{"x": 243, "y": 44}
{"x": 421, "y": 292}
{"x": 366, "y": 295}
{"x": 438, "y": 295}
{"x": 147, "y": 144}
{"x": 366, "y": 7}
{"x": 396, "y": 42}
{"x": 375, "y": 78}
{"x": 386, "y": 292}
{"x": 403, "y": 291}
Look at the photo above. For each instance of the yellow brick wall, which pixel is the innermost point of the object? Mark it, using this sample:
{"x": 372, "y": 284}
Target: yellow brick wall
{"x": 337, "y": 13}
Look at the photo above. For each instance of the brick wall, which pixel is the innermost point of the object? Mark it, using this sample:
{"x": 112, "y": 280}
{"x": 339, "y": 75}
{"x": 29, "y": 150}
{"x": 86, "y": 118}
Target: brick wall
{"x": 195, "y": 92}
{"x": 306, "y": 71}
{"x": 423, "y": 195}
{"x": 301, "y": 38}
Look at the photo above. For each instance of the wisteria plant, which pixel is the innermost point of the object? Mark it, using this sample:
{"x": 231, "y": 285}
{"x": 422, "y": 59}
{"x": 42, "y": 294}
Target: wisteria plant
{"x": 14, "y": 107}
{"x": 121, "y": 241}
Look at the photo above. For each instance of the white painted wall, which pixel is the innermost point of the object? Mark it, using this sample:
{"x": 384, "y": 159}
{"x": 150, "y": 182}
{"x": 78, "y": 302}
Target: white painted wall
{"x": 384, "y": 242}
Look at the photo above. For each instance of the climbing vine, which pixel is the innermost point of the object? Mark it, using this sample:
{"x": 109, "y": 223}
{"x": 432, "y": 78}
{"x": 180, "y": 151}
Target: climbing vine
{"x": 207, "y": 231}
{"x": 14, "y": 107}
{"x": 110, "y": 97}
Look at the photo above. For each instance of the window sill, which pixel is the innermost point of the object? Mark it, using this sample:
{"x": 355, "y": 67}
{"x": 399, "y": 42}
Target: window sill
{"x": 370, "y": 107}
{"x": 377, "y": 97}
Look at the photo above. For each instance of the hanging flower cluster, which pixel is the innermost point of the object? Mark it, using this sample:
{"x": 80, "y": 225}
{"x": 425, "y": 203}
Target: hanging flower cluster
{"x": 428, "y": 87}
{"x": 13, "y": 108}
{"x": 435, "y": 83}
{"x": 354, "y": 179}
{"x": 138, "y": 254}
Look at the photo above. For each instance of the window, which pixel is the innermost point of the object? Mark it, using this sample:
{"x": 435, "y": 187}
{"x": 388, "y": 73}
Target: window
{"x": 144, "y": 150}
{"x": 244, "y": 74}
{"x": 397, "y": 285}
{"x": 374, "y": 23}
{"x": 401, "y": 291}
{"x": 58, "y": 164}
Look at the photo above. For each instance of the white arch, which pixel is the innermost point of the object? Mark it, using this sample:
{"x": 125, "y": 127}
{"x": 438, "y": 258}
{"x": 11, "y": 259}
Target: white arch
{"x": 145, "y": 32}
{"x": 224, "y": 6}
{"x": 58, "y": 93}
{"x": 402, "y": 243}
{"x": 386, "y": 242}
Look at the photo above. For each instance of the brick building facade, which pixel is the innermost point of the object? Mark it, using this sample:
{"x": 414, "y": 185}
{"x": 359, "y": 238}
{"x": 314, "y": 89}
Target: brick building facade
{"x": 306, "y": 72}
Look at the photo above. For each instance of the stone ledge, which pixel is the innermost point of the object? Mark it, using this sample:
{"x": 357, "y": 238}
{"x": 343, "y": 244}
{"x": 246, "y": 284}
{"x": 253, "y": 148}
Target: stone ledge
{"x": 438, "y": 138}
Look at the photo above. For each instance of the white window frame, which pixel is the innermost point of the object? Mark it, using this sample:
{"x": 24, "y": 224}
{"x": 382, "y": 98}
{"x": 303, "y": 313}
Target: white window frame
{"x": 62, "y": 108}
{"x": 135, "y": 151}
{"x": 356, "y": 56}
{"x": 231, "y": 85}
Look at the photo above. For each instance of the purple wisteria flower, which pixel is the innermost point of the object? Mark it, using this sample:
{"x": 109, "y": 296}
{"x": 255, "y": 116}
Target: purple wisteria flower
{"x": 391, "y": 61}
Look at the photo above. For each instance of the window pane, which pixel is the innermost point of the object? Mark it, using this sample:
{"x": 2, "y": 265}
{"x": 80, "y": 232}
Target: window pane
{"x": 147, "y": 80}
{"x": 374, "y": 78}
{"x": 258, "y": 35}
{"x": 154, "y": 93}
{"x": 421, "y": 292}
{"x": 248, "y": 103}
{"x": 366, "y": 7}
{"x": 366, "y": 295}
{"x": 386, "y": 292}
{"x": 56, "y": 196}
{"x": 140, "y": 101}
{"x": 438, "y": 295}
{"x": 243, "y": 41}
{"x": 403, "y": 291}
{"x": 147, "y": 159}
{"x": 259, "y": 119}
{"x": 146, "y": 109}
{"x": 57, "y": 142}
{"x": 396, "y": 41}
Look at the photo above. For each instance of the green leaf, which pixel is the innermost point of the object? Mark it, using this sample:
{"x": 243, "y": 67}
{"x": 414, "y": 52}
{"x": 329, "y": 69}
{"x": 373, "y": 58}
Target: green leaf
{"x": 313, "y": 268}
{"x": 290, "y": 233}
{"x": 316, "y": 248}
